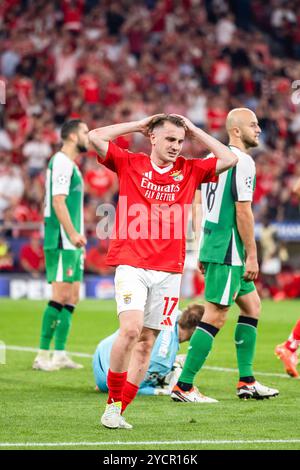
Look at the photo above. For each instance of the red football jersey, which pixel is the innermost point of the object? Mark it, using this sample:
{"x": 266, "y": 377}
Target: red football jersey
{"x": 153, "y": 208}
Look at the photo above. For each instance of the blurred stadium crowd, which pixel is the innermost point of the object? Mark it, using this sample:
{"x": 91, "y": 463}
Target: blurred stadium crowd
{"x": 107, "y": 61}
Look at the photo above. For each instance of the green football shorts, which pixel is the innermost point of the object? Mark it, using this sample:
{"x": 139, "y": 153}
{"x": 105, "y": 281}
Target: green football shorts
{"x": 224, "y": 283}
{"x": 64, "y": 265}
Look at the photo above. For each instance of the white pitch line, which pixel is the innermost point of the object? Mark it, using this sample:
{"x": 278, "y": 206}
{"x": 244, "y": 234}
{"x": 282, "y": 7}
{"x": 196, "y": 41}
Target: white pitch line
{"x": 147, "y": 443}
{"x": 213, "y": 368}
{"x": 266, "y": 374}
{"x": 27, "y": 349}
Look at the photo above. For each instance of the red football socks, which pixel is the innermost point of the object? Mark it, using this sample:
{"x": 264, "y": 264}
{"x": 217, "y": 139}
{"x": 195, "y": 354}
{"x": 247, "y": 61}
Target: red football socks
{"x": 115, "y": 383}
{"x": 129, "y": 392}
{"x": 294, "y": 339}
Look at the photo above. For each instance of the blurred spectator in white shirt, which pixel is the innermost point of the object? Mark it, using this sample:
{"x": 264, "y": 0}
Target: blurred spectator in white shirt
{"x": 197, "y": 110}
{"x": 37, "y": 153}
{"x": 5, "y": 141}
{"x": 225, "y": 30}
{"x": 11, "y": 187}
{"x": 66, "y": 63}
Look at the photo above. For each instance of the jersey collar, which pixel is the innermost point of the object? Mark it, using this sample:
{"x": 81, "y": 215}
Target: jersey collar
{"x": 163, "y": 170}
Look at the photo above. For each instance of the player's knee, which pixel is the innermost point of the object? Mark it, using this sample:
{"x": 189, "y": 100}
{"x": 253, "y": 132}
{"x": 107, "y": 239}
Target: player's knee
{"x": 253, "y": 309}
{"x": 131, "y": 334}
{"x": 256, "y": 308}
{"x": 217, "y": 318}
{"x": 219, "y": 322}
{"x": 63, "y": 298}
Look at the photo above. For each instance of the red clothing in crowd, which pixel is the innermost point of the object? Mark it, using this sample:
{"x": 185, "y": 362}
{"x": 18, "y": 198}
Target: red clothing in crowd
{"x": 73, "y": 12}
{"x": 99, "y": 181}
{"x": 216, "y": 118}
{"x": 90, "y": 88}
{"x": 96, "y": 260}
{"x": 34, "y": 257}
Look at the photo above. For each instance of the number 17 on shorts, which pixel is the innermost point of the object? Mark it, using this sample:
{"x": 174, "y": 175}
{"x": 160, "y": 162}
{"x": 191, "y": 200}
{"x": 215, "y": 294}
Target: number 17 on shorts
{"x": 169, "y": 307}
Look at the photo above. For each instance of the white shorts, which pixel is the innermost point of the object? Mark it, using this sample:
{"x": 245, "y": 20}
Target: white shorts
{"x": 156, "y": 293}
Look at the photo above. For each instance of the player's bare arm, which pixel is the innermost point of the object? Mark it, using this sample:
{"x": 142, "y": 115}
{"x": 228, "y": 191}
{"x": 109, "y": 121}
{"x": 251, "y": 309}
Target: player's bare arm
{"x": 197, "y": 212}
{"x": 63, "y": 216}
{"x": 100, "y": 137}
{"x": 245, "y": 224}
{"x": 196, "y": 221}
{"x": 226, "y": 158}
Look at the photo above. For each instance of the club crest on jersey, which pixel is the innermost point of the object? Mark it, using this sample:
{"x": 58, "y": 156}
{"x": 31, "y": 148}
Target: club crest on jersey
{"x": 177, "y": 175}
{"x": 127, "y": 298}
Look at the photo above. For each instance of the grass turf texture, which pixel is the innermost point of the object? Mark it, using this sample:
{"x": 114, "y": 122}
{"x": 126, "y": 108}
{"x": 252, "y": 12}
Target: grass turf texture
{"x": 62, "y": 406}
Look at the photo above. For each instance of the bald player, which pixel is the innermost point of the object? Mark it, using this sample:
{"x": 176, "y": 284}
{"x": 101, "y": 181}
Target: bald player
{"x": 228, "y": 259}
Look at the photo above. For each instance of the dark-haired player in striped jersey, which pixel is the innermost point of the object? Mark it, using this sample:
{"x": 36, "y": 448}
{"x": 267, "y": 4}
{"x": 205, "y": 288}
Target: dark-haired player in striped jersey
{"x": 63, "y": 245}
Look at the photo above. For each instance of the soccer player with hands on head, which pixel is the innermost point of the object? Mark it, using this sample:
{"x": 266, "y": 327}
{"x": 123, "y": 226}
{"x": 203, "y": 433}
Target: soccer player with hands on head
{"x": 148, "y": 246}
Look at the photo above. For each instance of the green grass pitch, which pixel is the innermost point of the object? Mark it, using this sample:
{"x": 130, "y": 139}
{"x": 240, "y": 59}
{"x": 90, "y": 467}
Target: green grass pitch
{"x": 61, "y": 409}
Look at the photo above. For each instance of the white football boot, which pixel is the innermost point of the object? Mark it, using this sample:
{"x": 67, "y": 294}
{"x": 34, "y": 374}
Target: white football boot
{"x": 111, "y": 417}
{"x": 255, "y": 390}
{"x": 192, "y": 396}
{"x": 123, "y": 424}
{"x": 42, "y": 362}
{"x": 62, "y": 361}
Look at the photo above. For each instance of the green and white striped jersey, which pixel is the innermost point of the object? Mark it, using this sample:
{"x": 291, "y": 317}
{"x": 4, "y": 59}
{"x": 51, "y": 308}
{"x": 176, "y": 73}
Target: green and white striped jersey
{"x": 220, "y": 240}
{"x": 63, "y": 177}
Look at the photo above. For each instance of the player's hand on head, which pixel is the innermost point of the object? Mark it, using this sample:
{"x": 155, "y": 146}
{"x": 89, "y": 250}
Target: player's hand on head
{"x": 78, "y": 240}
{"x": 190, "y": 127}
{"x": 144, "y": 123}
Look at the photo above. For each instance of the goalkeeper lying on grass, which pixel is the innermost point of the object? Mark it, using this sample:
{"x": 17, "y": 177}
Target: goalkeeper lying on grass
{"x": 165, "y": 367}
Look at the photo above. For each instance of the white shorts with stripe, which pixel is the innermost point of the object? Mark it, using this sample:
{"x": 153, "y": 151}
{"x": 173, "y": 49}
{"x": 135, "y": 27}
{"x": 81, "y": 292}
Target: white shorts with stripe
{"x": 156, "y": 293}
